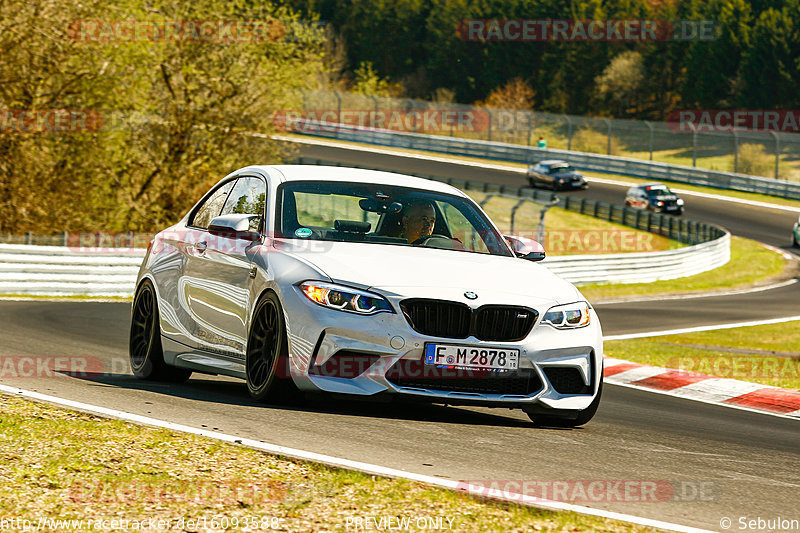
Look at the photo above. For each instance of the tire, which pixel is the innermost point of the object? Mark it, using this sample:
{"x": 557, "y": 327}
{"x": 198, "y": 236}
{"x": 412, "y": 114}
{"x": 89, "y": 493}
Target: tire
{"x": 145, "y": 350}
{"x": 583, "y": 417}
{"x": 267, "y": 359}
{"x": 794, "y": 240}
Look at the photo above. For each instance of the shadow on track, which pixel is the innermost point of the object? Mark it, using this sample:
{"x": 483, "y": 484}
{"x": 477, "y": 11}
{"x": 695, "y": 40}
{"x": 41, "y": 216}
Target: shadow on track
{"x": 230, "y": 391}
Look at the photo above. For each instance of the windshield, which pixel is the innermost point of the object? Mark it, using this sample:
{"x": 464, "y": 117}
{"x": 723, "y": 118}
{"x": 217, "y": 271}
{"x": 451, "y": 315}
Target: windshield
{"x": 555, "y": 169}
{"x": 379, "y": 214}
{"x": 657, "y": 190}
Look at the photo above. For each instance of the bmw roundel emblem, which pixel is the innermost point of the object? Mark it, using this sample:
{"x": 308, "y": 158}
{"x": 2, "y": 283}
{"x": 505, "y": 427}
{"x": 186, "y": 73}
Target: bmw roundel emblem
{"x": 470, "y": 295}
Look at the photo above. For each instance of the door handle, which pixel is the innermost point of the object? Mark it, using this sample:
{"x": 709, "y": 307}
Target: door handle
{"x": 201, "y": 246}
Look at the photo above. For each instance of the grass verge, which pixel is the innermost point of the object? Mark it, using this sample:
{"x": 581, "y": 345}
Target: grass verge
{"x": 570, "y": 233}
{"x": 750, "y": 263}
{"x": 62, "y": 464}
{"x": 768, "y": 354}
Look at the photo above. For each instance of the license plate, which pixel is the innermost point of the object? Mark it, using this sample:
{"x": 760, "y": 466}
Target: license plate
{"x": 472, "y": 356}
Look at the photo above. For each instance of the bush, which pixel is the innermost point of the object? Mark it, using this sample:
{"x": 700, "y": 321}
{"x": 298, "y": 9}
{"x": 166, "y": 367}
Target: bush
{"x": 589, "y": 140}
{"x": 755, "y": 161}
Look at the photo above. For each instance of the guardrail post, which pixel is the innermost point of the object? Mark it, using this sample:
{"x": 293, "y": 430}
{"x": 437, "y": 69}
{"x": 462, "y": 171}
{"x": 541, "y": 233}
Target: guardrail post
{"x": 65, "y": 238}
{"x": 694, "y": 144}
{"x": 514, "y": 214}
{"x": 530, "y": 125}
{"x": 777, "y": 152}
{"x": 650, "y": 127}
{"x": 569, "y": 132}
{"x": 608, "y": 145}
{"x": 28, "y": 237}
{"x": 735, "y": 150}
{"x": 483, "y": 202}
{"x": 305, "y": 102}
{"x": 338, "y": 106}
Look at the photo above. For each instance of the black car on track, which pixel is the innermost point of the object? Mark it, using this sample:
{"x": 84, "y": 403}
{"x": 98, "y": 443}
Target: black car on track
{"x": 556, "y": 174}
{"x": 654, "y": 197}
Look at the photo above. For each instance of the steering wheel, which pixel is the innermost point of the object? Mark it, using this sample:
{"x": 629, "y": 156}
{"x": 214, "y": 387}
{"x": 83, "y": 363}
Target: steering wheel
{"x": 425, "y": 238}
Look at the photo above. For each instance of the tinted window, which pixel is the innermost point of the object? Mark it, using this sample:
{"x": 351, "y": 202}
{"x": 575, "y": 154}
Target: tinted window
{"x": 247, "y": 198}
{"x": 385, "y": 215}
{"x": 211, "y": 207}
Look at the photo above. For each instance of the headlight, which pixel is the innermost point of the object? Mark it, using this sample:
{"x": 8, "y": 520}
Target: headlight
{"x": 569, "y": 316}
{"x": 659, "y": 203}
{"x": 680, "y": 201}
{"x": 344, "y": 298}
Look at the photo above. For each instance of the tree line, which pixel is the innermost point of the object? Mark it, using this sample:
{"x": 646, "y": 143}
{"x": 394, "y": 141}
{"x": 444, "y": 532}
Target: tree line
{"x": 752, "y": 62}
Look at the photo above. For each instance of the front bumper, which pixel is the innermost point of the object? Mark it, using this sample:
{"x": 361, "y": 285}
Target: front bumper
{"x": 318, "y": 336}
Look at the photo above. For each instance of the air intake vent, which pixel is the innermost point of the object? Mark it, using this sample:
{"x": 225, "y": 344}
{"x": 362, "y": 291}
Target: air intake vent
{"x": 453, "y": 320}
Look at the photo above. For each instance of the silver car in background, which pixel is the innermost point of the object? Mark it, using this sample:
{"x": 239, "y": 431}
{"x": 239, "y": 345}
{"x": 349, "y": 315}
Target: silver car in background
{"x": 303, "y": 277}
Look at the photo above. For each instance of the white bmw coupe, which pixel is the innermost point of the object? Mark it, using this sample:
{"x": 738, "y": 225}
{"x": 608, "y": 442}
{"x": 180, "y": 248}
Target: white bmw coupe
{"x": 363, "y": 283}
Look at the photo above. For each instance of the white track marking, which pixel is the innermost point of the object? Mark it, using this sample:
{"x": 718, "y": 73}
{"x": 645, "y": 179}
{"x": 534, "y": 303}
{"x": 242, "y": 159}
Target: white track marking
{"x": 701, "y": 328}
{"x": 710, "y": 294}
{"x": 345, "y": 463}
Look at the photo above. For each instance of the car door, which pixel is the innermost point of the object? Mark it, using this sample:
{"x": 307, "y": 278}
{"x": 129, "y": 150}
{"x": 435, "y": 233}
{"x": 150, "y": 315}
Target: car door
{"x": 218, "y": 276}
{"x": 180, "y": 251}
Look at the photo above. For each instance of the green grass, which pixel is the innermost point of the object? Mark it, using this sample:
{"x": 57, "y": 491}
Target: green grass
{"x": 570, "y": 233}
{"x": 768, "y": 354}
{"x": 57, "y": 463}
{"x": 750, "y": 263}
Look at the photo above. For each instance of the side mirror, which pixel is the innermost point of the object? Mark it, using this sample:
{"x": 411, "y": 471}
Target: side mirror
{"x": 526, "y": 248}
{"x": 236, "y": 227}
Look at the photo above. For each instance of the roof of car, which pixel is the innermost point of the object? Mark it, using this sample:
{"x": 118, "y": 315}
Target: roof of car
{"x": 553, "y": 162}
{"x": 651, "y": 184}
{"x": 327, "y": 173}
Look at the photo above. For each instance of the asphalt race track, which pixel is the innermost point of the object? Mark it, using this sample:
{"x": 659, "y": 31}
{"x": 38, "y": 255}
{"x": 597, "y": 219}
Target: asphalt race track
{"x": 731, "y": 462}
{"x": 724, "y": 462}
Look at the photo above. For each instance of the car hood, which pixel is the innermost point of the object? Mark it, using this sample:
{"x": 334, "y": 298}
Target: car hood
{"x": 428, "y": 271}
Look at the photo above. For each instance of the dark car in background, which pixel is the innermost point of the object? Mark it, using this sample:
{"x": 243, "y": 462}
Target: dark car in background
{"x": 796, "y": 233}
{"x": 654, "y": 197}
{"x": 556, "y": 174}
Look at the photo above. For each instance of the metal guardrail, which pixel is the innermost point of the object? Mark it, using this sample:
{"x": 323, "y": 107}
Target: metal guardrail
{"x": 62, "y": 271}
{"x": 528, "y": 154}
{"x": 67, "y": 271}
{"x": 27, "y": 269}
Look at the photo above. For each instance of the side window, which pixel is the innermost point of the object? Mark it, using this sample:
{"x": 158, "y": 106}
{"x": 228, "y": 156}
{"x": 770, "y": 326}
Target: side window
{"x": 211, "y": 207}
{"x": 462, "y": 229}
{"x": 247, "y": 198}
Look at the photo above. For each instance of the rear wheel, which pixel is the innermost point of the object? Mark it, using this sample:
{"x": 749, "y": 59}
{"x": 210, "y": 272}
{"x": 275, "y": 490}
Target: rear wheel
{"x": 146, "y": 353}
{"x": 583, "y": 417}
{"x": 267, "y": 360}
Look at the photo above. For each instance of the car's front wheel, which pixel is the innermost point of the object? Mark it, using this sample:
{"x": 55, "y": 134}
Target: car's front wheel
{"x": 146, "y": 353}
{"x": 584, "y": 416}
{"x": 267, "y": 360}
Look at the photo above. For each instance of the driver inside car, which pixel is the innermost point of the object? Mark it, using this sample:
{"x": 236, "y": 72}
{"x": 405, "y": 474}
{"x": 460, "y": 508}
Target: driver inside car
{"x": 417, "y": 221}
